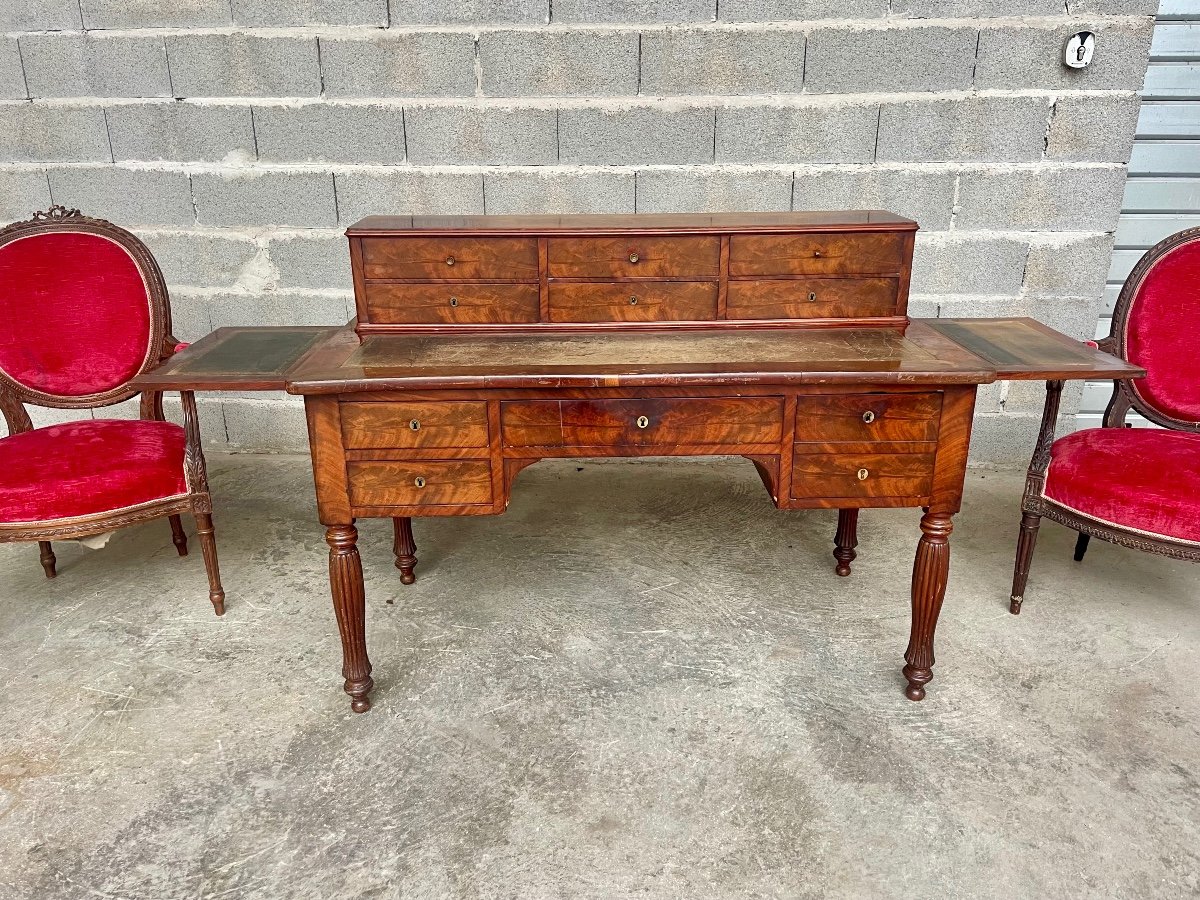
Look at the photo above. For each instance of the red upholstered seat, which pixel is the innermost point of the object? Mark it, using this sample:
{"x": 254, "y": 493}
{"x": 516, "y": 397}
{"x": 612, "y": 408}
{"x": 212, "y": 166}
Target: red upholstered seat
{"x": 1138, "y": 478}
{"x": 87, "y": 467}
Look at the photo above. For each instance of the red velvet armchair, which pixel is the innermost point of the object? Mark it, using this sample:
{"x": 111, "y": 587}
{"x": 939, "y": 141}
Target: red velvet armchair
{"x": 1137, "y": 487}
{"x": 83, "y": 310}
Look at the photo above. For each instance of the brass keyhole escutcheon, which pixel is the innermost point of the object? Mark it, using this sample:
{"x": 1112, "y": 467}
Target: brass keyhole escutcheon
{"x": 868, "y": 417}
{"x": 862, "y": 474}
{"x": 449, "y": 260}
{"x": 454, "y": 301}
{"x": 419, "y": 481}
{"x": 642, "y": 421}
{"x": 633, "y": 256}
{"x": 415, "y": 424}
{"x": 812, "y": 295}
{"x": 633, "y": 301}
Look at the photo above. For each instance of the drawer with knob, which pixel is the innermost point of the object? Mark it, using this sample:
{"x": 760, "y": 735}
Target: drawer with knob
{"x": 651, "y": 301}
{"x": 634, "y": 256}
{"x": 420, "y": 482}
{"x": 817, "y": 254}
{"x": 659, "y": 422}
{"x": 451, "y": 258}
{"x": 867, "y": 417}
{"x": 860, "y": 475}
{"x": 408, "y": 426}
{"x": 812, "y": 298}
{"x": 451, "y": 303}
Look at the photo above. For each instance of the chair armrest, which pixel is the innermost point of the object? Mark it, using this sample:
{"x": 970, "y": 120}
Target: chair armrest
{"x": 193, "y": 452}
{"x": 15, "y": 414}
{"x": 1041, "y": 451}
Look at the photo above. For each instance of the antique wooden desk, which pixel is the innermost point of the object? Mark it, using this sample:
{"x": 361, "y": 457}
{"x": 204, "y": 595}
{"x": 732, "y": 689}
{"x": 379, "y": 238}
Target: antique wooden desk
{"x": 483, "y": 344}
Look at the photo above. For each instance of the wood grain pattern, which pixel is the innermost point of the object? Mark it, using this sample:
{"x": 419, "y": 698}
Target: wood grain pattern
{"x": 634, "y": 256}
{"x": 810, "y": 254}
{"x": 451, "y": 258}
{"x": 868, "y": 417}
{"x": 643, "y": 301}
{"x": 811, "y": 298}
{"x": 451, "y": 303}
{"x": 840, "y": 474}
{"x": 367, "y": 425}
{"x": 420, "y": 482}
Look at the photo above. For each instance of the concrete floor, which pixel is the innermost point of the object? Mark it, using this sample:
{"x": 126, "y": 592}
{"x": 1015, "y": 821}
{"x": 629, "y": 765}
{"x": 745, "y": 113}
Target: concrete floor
{"x": 642, "y": 681}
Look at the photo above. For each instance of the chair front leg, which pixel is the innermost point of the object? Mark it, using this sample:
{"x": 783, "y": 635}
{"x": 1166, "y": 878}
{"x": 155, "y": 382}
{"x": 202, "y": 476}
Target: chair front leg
{"x": 1035, "y": 478}
{"x": 48, "y": 559}
{"x": 178, "y": 535}
{"x": 208, "y": 546}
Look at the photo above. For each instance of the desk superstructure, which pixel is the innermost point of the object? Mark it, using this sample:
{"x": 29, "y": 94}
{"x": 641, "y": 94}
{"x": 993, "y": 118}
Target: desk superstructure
{"x": 483, "y": 344}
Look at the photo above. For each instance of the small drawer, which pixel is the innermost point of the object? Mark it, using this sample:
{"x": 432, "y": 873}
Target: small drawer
{"x": 834, "y": 475}
{"x": 420, "y": 482}
{"x": 451, "y": 259}
{"x": 640, "y": 423}
{"x": 634, "y": 256}
{"x": 816, "y": 254}
{"x": 868, "y": 417}
{"x": 368, "y": 426}
{"x": 451, "y": 304}
{"x": 809, "y": 298}
{"x": 649, "y": 301}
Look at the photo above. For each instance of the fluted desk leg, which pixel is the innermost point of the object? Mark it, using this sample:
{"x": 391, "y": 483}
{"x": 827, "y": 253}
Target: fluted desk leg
{"x": 349, "y": 603}
{"x": 930, "y": 572}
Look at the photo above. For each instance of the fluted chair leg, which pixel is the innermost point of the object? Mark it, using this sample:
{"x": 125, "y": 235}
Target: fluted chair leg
{"x": 208, "y": 545}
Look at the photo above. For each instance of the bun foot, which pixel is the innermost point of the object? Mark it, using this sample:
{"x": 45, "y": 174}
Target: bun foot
{"x": 360, "y": 704}
{"x": 358, "y": 691}
{"x": 405, "y": 549}
{"x": 218, "y": 602}
{"x": 845, "y": 540}
{"x": 917, "y": 679}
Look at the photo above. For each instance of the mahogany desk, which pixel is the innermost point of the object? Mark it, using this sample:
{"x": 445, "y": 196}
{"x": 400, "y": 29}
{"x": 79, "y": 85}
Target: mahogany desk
{"x": 484, "y": 344}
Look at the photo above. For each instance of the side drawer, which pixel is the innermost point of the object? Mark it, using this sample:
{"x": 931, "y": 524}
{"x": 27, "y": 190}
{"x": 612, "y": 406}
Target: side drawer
{"x": 812, "y": 298}
{"x": 634, "y": 255}
{"x": 420, "y": 482}
{"x": 451, "y": 303}
{"x": 413, "y": 425}
{"x": 653, "y": 301}
{"x": 817, "y": 254}
{"x": 451, "y": 258}
{"x": 881, "y": 475}
{"x": 868, "y": 417}
{"x": 640, "y": 423}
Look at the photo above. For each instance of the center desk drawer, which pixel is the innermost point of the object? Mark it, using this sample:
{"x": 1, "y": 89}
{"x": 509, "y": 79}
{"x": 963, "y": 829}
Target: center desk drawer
{"x": 643, "y": 301}
{"x": 665, "y": 422}
{"x": 634, "y": 256}
{"x": 368, "y": 426}
{"x": 860, "y": 475}
{"x": 816, "y": 254}
{"x": 451, "y": 258}
{"x": 868, "y": 417}
{"x": 420, "y": 482}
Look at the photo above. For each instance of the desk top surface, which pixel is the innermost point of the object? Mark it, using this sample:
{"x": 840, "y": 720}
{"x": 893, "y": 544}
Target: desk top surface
{"x": 317, "y": 360}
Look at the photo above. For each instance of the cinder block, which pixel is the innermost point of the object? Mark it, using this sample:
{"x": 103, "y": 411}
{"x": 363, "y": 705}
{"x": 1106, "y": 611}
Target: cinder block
{"x": 968, "y": 265}
{"x": 990, "y": 129}
{"x": 279, "y": 13}
{"x": 407, "y": 193}
{"x": 279, "y": 308}
{"x": 1031, "y": 57}
{"x": 189, "y": 315}
{"x": 127, "y": 197}
{"x": 39, "y": 15}
{"x": 707, "y": 190}
{"x": 558, "y": 63}
{"x": 915, "y": 58}
{"x": 481, "y": 135}
{"x": 531, "y": 193}
{"x": 1093, "y": 128}
{"x": 704, "y": 61}
{"x": 1042, "y": 200}
{"x": 12, "y": 75}
{"x": 208, "y": 412}
{"x": 22, "y": 194}
{"x": 1073, "y": 316}
{"x": 924, "y": 196}
{"x": 34, "y": 132}
{"x": 1071, "y": 267}
{"x": 646, "y": 135}
{"x": 312, "y": 261}
{"x": 243, "y": 65}
{"x": 95, "y": 65}
{"x": 1004, "y": 441}
{"x": 200, "y": 259}
{"x": 412, "y": 64}
{"x": 936, "y": 9}
{"x": 800, "y": 10}
{"x": 634, "y": 11}
{"x": 1113, "y": 7}
{"x": 469, "y": 12}
{"x": 265, "y": 198}
{"x": 155, "y": 13}
{"x": 330, "y": 132}
{"x": 180, "y": 131}
{"x": 43, "y": 416}
{"x": 812, "y": 133}
{"x": 277, "y": 425}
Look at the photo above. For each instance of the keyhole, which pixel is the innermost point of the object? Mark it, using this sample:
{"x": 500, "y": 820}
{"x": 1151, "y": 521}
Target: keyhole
{"x": 868, "y": 417}
{"x": 633, "y": 301}
{"x": 454, "y": 301}
{"x": 419, "y": 481}
{"x": 812, "y": 295}
{"x": 415, "y": 424}
{"x": 862, "y": 474}
{"x": 642, "y": 422}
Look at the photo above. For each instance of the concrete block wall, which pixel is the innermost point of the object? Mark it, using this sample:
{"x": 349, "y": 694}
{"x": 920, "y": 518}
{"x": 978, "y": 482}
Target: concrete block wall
{"x": 240, "y": 138}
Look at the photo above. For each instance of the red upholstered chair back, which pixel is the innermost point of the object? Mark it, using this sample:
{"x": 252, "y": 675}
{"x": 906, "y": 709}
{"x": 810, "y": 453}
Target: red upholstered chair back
{"x": 83, "y": 309}
{"x": 1156, "y": 324}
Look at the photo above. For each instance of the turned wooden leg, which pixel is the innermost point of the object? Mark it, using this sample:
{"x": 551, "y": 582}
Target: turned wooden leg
{"x": 1030, "y": 522}
{"x": 930, "y": 571}
{"x": 178, "y": 535}
{"x": 845, "y": 540}
{"x": 405, "y": 549}
{"x": 349, "y": 604}
{"x": 49, "y": 560}
{"x": 208, "y": 545}
{"x": 1081, "y": 545}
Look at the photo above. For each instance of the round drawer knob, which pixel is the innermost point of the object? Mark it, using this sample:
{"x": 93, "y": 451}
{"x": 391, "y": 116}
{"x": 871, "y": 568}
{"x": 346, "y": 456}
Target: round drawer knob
{"x": 419, "y": 481}
{"x": 633, "y": 301}
{"x": 449, "y": 260}
{"x": 454, "y": 301}
{"x": 812, "y": 295}
{"x": 633, "y": 256}
{"x": 862, "y": 474}
{"x": 642, "y": 421}
{"x": 868, "y": 417}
